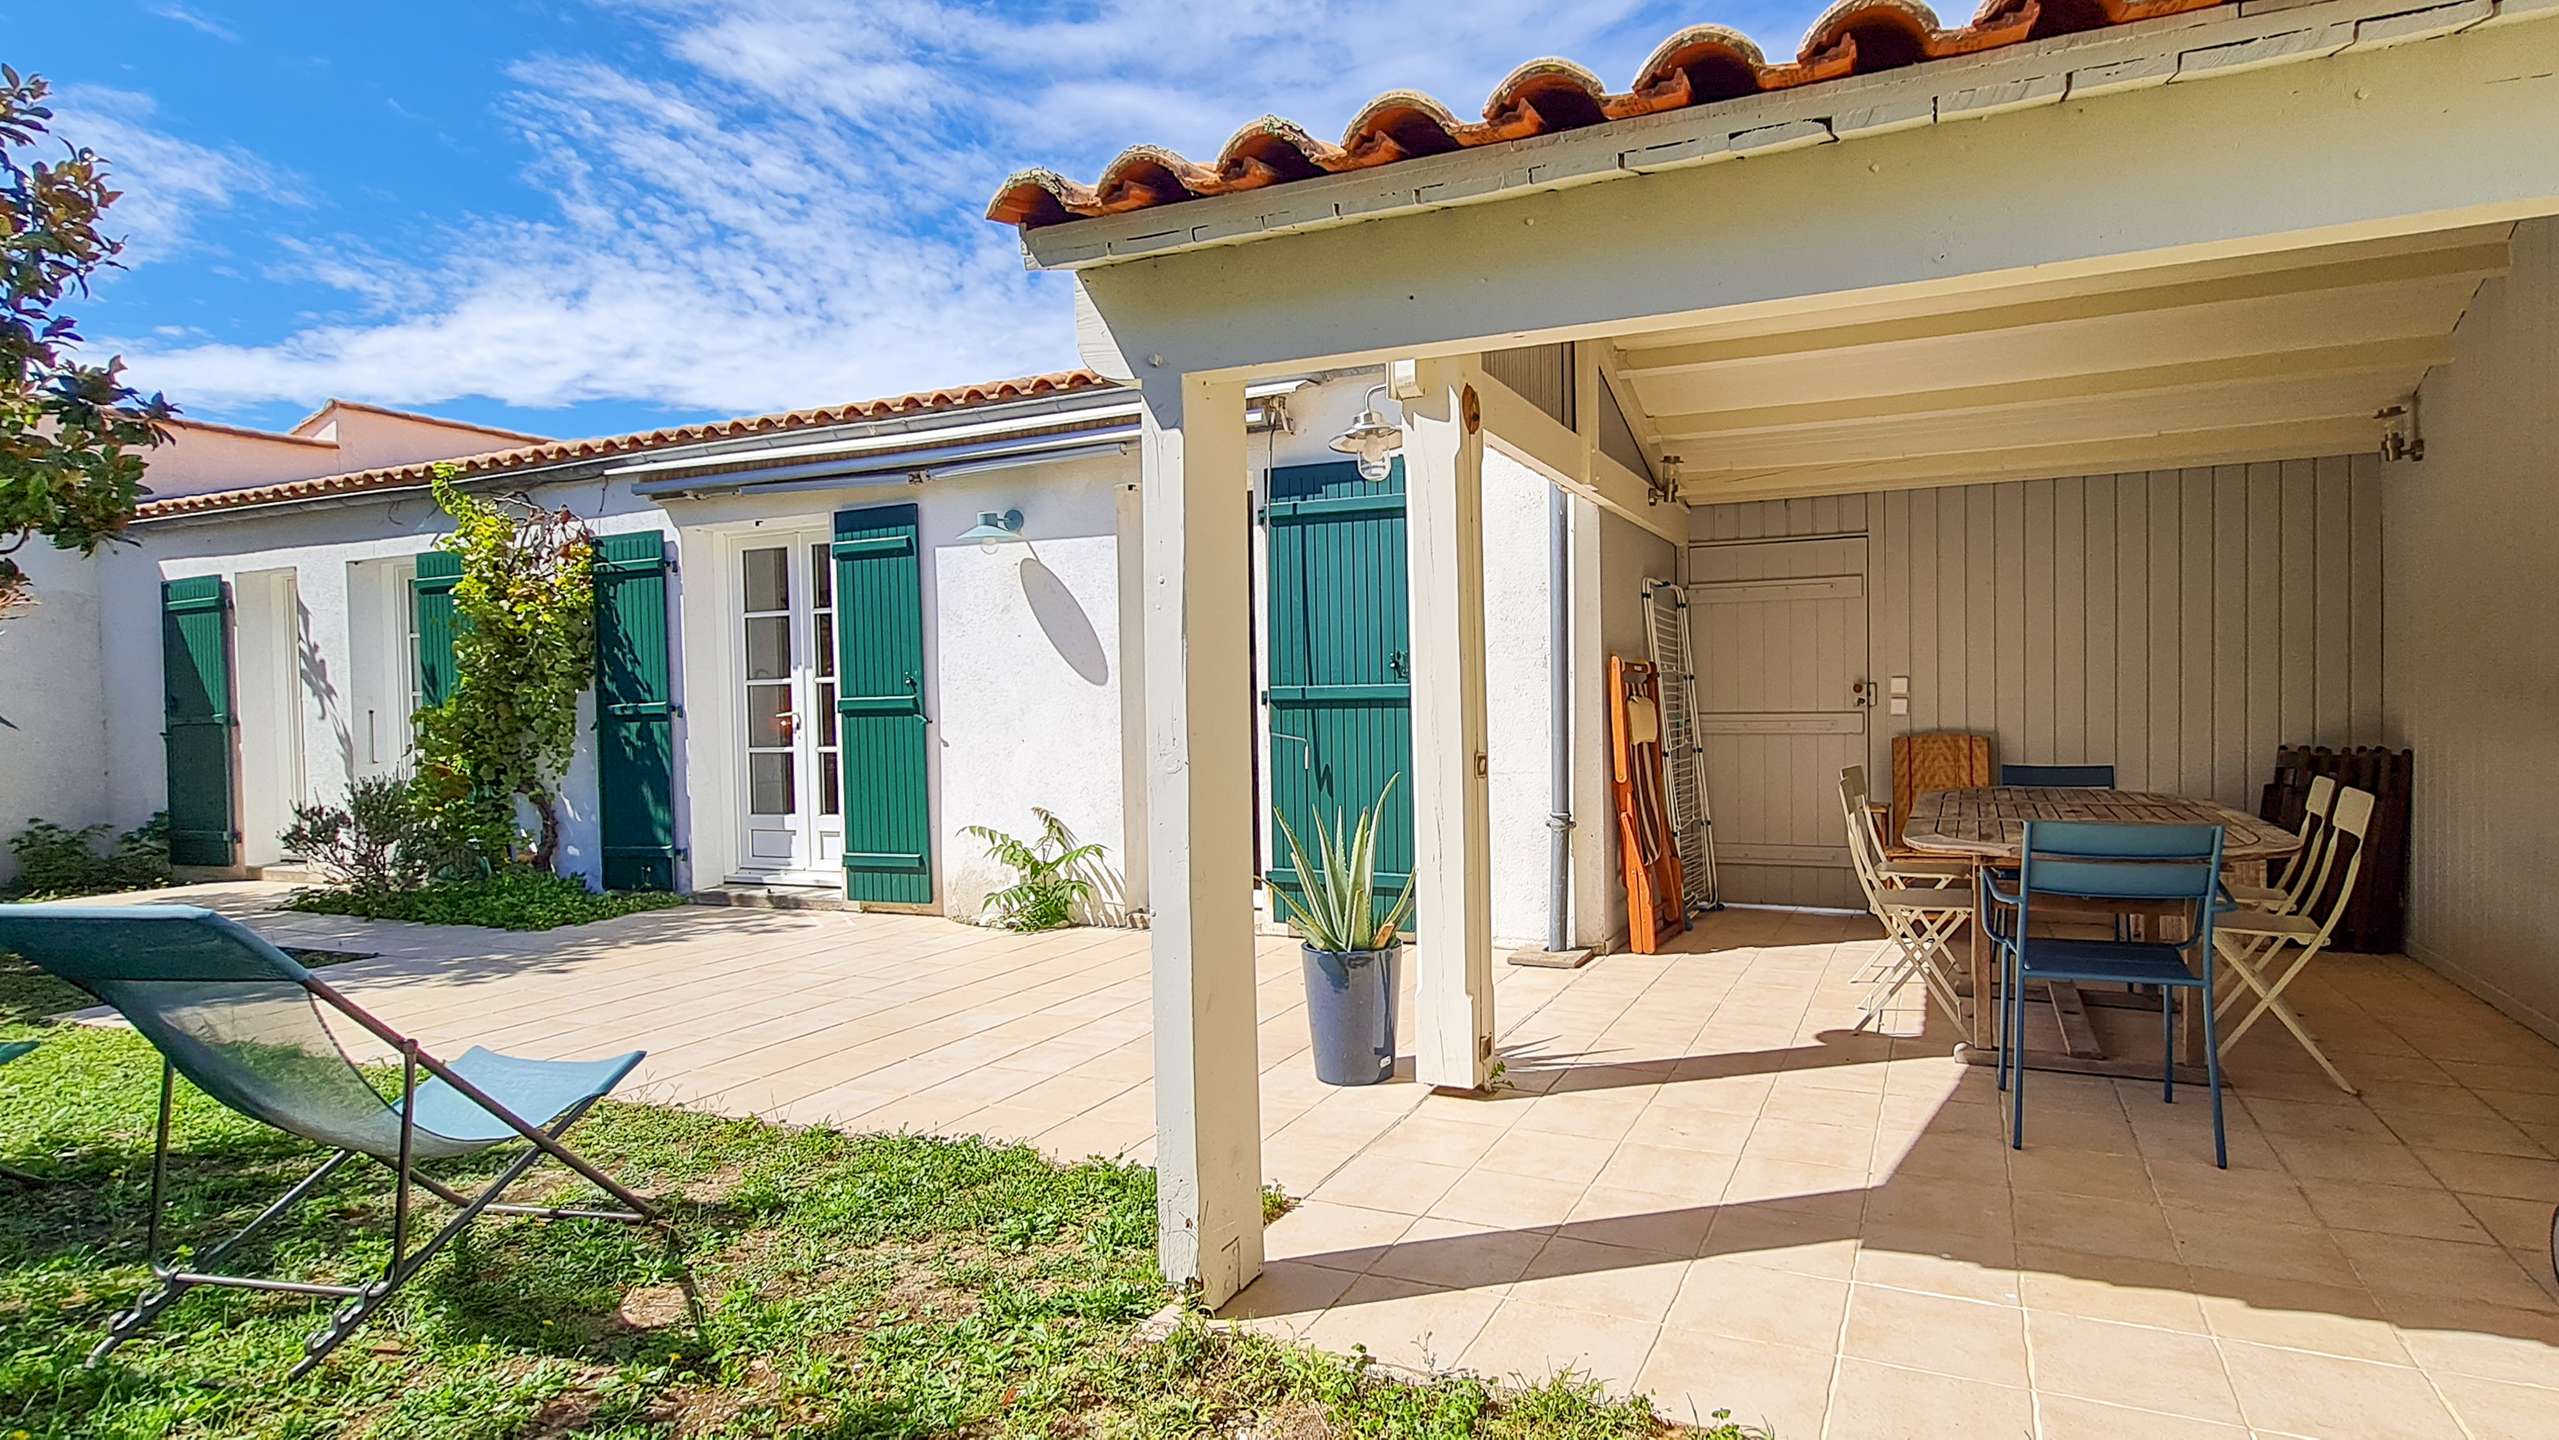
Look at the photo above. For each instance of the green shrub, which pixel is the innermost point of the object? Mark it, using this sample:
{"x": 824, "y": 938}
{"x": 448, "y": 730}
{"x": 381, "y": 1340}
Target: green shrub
{"x": 514, "y": 897}
{"x": 55, "y": 861}
{"x": 372, "y": 842}
{"x": 1051, "y": 875}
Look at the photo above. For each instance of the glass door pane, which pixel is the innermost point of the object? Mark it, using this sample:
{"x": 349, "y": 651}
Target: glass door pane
{"x": 830, "y": 779}
{"x": 770, "y": 713}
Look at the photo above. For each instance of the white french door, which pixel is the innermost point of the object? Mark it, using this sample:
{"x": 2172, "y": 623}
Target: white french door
{"x": 790, "y": 783}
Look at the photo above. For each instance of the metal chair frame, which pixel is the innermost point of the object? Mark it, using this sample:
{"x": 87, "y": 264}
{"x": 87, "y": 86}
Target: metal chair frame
{"x": 2251, "y": 943}
{"x": 2109, "y": 862}
{"x": 361, "y": 1301}
{"x": 1922, "y": 909}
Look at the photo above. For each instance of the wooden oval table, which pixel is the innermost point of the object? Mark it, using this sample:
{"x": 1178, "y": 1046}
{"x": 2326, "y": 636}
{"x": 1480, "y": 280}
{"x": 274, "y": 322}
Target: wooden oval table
{"x": 1988, "y": 825}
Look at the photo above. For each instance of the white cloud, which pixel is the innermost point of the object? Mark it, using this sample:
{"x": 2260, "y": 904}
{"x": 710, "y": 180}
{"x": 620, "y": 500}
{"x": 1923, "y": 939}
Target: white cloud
{"x": 783, "y": 210}
{"x": 167, "y": 183}
{"x": 195, "y": 20}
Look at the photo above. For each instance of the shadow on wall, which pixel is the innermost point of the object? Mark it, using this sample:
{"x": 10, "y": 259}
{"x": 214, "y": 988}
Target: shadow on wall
{"x": 314, "y": 665}
{"x": 1062, "y": 619}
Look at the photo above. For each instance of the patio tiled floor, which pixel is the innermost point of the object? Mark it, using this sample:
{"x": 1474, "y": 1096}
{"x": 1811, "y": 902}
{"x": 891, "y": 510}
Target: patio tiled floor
{"x": 1706, "y": 1187}
{"x": 1698, "y": 1183}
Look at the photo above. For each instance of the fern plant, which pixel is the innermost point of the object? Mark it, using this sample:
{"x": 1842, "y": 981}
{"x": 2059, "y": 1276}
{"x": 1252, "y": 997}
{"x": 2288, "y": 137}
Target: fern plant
{"x": 1051, "y": 874}
{"x": 1336, "y": 907}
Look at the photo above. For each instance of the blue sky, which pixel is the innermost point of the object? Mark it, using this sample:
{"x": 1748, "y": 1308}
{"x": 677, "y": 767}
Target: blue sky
{"x": 577, "y": 218}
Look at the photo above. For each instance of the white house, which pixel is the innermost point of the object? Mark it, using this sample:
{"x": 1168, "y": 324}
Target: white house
{"x": 762, "y": 728}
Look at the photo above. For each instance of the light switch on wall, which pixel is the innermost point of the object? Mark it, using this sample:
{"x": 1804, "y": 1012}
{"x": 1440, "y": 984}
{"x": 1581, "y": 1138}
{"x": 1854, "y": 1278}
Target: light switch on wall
{"x": 1901, "y": 685}
{"x": 1901, "y": 704}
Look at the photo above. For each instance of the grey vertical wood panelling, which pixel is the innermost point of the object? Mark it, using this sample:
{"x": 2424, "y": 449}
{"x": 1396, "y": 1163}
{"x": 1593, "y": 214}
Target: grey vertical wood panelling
{"x": 2181, "y": 625}
{"x": 1542, "y": 374}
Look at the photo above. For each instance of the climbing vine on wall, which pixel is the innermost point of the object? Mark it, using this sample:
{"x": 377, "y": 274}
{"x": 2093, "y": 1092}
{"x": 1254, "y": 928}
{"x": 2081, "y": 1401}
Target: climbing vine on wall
{"x": 523, "y": 651}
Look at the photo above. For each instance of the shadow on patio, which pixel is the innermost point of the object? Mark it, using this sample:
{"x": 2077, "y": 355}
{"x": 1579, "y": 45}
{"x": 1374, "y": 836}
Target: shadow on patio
{"x": 1707, "y": 1188}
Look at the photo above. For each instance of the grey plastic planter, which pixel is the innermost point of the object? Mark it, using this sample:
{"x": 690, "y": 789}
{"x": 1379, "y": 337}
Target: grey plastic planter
{"x": 1350, "y": 1007}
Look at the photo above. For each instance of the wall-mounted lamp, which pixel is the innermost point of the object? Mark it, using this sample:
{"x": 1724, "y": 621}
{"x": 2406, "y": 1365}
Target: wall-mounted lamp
{"x": 1372, "y": 438}
{"x": 995, "y": 530}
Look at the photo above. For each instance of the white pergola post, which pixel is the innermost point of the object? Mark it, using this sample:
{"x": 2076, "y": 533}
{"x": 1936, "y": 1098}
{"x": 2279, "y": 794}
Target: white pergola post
{"x": 1194, "y": 509}
{"x": 1452, "y": 814}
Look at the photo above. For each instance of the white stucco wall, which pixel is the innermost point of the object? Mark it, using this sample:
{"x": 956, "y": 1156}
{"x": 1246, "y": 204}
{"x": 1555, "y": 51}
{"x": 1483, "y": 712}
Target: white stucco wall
{"x": 341, "y": 674}
{"x": 53, "y": 753}
{"x": 1022, "y": 648}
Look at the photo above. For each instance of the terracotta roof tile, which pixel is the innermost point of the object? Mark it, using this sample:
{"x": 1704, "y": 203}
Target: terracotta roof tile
{"x": 1695, "y": 66}
{"x": 552, "y": 452}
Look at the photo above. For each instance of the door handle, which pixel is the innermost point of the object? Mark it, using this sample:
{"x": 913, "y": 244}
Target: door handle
{"x": 1305, "y": 748}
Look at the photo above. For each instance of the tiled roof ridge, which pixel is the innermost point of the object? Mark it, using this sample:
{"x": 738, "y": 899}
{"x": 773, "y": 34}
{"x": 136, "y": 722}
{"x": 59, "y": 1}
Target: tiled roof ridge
{"x": 952, "y": 397}
{"x": 1697, "y": 65}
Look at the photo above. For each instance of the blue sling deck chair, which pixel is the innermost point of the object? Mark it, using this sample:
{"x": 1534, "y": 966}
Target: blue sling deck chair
{"x": 247, "y": 1024}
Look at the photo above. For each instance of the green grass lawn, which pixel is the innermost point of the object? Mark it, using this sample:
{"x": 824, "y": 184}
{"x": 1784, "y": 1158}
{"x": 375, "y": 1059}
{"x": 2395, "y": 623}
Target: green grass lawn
{"x": 827, "y": 1285}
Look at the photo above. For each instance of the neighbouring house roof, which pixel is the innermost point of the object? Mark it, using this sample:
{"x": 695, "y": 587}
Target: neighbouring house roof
{"x": 554, "y": 452}
{"x": 329, "y": 409}
{"x": 1699, "y": 65}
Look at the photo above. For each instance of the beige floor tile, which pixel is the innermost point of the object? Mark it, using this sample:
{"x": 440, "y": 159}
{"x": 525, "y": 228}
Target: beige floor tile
{"x": 2257, "y": 1194}
{"x": 1338, "y": 1237}
{"x": 2063, "y": 1417}
{"x": 2515, "y": 1224}
{"x": 1930, "y": 1332}
{"x": 1869, "y": 1401}
{"x": 2426, "y": 1212}
{"x": 1829, "y": 1190}
{"x": 1941, "y": 1207}
{"x": 2259, "y": 1247}
{"x": 1751, "y": 1302}
{"x": 2299, "y": 1315}
{"x": 2136, "y": 1228}
{"x": 1529, "y": 1342}
{"x": 1639, "y": 1219}
{"x": 2517, "y": 1177}
{"x": 2038, "y": 1169}
{"x": 1435, "y": 1141}
{"x": 2397, "y": 1265}
{"x": 1605, "y": 1114}
{"x": 2379, "y": 1162}
{"x": 1693, "y": 1374}
{"x": 2497, "y": 1410}
{"x": 2130, "y": 1365}
{"x": 2454, "y": 1336}
{"x": 1386, "y": 1182}
{"x": 2299, "y": 1393}
{"x": 1805, "y": 1243}
{"x": 1546, "y": 1155}
{"x": 1963, "y": 1267}
{"x": 1697, "y": 1177}
{"x": 1712, "y": 1131}
{"x": 1459, "y": 1255}
{"x": 1603, "y": 1279}
{"x": 1805, "y": 1142}
{"x": 2158, "y": 1293}
{"x": 1417, "y": 1327}
{"x": 1512, "y": 1202}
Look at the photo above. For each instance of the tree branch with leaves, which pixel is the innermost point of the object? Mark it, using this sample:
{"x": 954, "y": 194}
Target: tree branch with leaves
{"x": 73, "y": 436}
{"x": 523, "y": 651}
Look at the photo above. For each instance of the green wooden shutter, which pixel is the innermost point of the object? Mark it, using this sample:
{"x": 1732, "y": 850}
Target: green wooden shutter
{"x": 195, "y": 672}
{"x": 433, "y": 594}
{"x": 879, "y": 629}
{"x": 1340, "y": 702}
{"x": 634, "y": 713}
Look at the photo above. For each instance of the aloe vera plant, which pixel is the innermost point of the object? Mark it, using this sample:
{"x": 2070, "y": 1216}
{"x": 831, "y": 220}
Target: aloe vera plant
{"x": 1336, "y": 909}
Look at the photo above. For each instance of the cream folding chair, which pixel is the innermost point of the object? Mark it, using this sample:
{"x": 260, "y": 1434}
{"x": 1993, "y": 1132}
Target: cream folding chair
{"x": 2267, "y": 951}
{"x": 1922, "y": 904}
{"x": 2286, "y": 896}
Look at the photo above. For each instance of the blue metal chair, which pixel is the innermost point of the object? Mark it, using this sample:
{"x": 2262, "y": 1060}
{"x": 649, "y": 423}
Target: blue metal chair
{"x": 2094, "y": 777}
{"x": 2160, "y": 863}
{"x": 247, "y": 1024}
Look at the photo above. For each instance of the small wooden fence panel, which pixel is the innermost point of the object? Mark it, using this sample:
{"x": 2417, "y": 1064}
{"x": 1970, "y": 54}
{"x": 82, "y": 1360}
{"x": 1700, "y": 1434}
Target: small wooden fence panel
{"x": 2376, "y": 920}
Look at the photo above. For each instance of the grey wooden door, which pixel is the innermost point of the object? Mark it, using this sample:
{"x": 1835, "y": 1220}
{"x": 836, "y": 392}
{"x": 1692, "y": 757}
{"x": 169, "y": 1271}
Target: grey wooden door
{"x": 1780, "y": 629}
